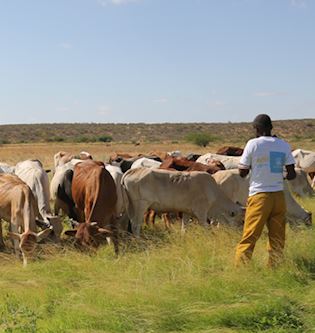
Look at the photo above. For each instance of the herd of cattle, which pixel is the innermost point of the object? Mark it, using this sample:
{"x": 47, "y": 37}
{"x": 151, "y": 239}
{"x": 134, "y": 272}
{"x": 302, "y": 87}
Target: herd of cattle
{"x": 105, "y": 200}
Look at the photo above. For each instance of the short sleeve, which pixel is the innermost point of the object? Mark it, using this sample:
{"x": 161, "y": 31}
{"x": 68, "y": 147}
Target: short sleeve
{"x": 289, "y": 157}
{"x": 246, "y": 158}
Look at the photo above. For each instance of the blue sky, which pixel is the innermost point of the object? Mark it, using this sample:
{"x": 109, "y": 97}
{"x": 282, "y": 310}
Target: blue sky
{"x": 156, "y": 60}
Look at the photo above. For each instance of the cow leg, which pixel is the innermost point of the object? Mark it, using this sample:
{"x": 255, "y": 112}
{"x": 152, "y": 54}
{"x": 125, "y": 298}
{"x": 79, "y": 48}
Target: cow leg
{"x": 166, "y": 219}
{"x": 2, "y": 246}
{"x": 152, "y": 216}
{"x": 137, "y": 219}
{"x": 15, "y": 241}
{"x": 185, "y": 219}
{"x": 202, "y": 218}
{"x": 115, "y": 234}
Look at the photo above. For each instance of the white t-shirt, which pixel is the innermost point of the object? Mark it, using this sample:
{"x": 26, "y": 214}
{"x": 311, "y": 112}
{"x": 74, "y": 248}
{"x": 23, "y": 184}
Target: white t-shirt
{"x": 266, "y": 156}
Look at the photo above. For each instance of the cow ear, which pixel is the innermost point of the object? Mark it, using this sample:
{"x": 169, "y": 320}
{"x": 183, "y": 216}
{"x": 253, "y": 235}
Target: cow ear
{"x": 14, "y": 235}
{"x": 104, "y": 231}
{"x": 71, "y": 232}
{"x": 43, "y": 234}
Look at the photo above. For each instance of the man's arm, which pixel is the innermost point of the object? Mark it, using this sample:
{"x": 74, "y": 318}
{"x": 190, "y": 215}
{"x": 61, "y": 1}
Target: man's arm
{"x": 290, "y": 172}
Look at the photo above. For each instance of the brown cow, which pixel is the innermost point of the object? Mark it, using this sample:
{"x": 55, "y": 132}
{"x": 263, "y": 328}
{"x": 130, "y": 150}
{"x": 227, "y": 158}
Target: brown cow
{"x": 183, "y": 164}
{"x": 94, "y": 195}
{"x": 230, "y": 151}
{"x": 18, "y": 206}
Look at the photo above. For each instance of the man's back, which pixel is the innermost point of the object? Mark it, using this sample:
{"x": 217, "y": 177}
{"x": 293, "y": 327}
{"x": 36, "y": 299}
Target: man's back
{"x": 266, "y": 156}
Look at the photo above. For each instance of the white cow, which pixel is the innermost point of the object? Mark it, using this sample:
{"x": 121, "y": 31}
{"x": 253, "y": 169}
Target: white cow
{"x": 33, "y": 174}
{"x": 145, "y": 162}
{"x": 305, "y": 159}
{"x": 57, "y": 181}
{"x": 236, "y": 188}
{"x": 301, "y": 185}
{"x": 194, "y": 193}
{"x": 229, "y": 162}
{"x": 117, "y": 174}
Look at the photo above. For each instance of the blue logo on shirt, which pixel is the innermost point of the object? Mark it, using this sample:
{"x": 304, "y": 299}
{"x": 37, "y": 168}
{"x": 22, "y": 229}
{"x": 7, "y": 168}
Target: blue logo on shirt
{"x": 277, "y": 160}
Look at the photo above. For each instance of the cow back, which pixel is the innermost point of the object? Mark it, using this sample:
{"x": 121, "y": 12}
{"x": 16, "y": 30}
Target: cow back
{"x": 94, "y": 192}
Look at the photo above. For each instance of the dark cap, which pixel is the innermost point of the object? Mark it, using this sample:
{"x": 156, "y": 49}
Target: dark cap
{"x": 262, "y": 121}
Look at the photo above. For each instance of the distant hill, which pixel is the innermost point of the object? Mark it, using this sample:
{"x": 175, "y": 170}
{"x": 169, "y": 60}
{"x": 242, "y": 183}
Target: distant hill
{"x": 302, "y": 129}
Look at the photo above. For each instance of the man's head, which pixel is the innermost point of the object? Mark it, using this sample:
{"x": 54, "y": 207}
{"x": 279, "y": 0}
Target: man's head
{"x": 262, "y": 124}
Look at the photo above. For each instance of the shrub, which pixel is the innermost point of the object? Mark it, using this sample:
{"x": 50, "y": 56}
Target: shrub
{"x": 200, "y": 139}
{"x": 4, "y": 141}
{"x": 84, "y": 139}
{"x": 105, "y": 138}
{"x": 55, "y": 139}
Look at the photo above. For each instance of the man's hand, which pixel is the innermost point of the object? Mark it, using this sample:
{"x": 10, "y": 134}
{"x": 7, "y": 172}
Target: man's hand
{"x": 290, "y": 172}
{"x": 243, "y": 172}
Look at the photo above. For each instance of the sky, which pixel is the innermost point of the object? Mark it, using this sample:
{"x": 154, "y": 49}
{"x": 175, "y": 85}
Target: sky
{"x": 153, "y": 61}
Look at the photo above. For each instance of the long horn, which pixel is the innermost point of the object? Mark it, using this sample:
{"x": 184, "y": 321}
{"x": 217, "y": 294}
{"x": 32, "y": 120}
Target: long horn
{"x": 104, "y": 231}
{"x": 14, "y": 235}
{"x": 43, "y": 234}
{"x": 74, "y": 223}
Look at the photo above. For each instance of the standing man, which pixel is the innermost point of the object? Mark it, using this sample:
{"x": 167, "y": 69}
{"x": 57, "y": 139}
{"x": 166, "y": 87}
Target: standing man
{"x": 266, "y": 156}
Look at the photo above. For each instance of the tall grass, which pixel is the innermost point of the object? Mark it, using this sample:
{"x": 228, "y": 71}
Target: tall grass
{"x": 167, "y": 282}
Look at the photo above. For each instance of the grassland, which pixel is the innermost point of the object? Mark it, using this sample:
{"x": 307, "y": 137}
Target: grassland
{"x": 296, "y": 130}
{"x": 167, "y": 282}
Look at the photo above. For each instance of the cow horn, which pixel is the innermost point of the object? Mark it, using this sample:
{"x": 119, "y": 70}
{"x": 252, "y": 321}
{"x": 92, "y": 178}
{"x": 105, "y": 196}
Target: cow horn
{"x": 14, "y": 235}
{"x": 75, "y": 223}
{"x": 43, "y": 234}
{"x": 104, "y": 231}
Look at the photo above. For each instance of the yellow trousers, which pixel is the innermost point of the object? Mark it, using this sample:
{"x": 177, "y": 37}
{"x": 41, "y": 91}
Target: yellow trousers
{"x": 267, "y": 208}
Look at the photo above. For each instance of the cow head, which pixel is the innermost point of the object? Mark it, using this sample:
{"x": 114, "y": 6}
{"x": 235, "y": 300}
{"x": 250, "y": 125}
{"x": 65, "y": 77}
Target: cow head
{"x": 55, "y": 222}
{"x": 89, "y": 234}
{"x": 234, "y": 217}
{"x": 295, "y": 223}
{"x": 27, "y": 242}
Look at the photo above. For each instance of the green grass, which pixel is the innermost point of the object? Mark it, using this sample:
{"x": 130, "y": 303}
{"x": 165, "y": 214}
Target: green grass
{"x": 164, "y": 283}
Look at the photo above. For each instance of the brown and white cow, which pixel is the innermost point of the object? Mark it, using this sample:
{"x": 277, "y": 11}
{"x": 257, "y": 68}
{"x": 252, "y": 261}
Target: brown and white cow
{"x": 18, "y": 206}
{"x": 95, "y": 197}
{"x": 63, "y": 157}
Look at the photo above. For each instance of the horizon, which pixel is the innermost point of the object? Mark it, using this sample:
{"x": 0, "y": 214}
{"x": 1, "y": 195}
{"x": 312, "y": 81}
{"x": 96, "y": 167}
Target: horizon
{"x": 155, "y": 123}
{"x": 149, "y": 61}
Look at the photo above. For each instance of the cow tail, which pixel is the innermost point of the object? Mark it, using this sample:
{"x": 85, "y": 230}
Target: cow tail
{"x": 97, "y": 192}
